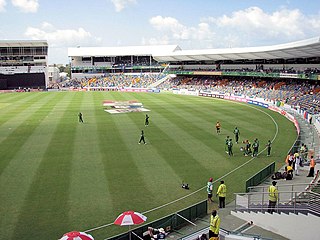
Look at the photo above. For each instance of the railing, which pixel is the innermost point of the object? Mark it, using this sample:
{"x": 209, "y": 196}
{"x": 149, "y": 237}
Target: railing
{"x": 260, "y": 176}
{"x": 288, "y": 201}
{"x": 288, "y": 187}
{"x": 169, "y": 223}
{"x": 223, "y": 234}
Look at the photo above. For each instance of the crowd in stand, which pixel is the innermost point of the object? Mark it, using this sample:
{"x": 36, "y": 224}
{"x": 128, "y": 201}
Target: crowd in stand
{"x": 111, "y": 81}
{"x": 253, "y": 68}
{"x": 301, "y": 94}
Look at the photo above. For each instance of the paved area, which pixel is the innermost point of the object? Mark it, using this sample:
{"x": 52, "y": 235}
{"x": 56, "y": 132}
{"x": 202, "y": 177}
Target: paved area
{"x": 310, "y": 137}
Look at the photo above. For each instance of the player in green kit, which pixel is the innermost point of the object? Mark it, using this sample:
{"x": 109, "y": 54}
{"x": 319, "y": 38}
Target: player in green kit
{"x": 236, "y": 134}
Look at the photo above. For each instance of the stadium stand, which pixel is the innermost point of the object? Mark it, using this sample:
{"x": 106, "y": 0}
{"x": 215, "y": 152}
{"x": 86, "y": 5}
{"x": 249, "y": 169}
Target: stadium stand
{"x": 23, "y": 64}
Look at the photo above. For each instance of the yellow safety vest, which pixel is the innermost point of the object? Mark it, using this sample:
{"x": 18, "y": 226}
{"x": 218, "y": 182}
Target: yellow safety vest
{"x": 273, "y": 193}
{"x": 222, "y": 190}
{"x": 215, "y": 224}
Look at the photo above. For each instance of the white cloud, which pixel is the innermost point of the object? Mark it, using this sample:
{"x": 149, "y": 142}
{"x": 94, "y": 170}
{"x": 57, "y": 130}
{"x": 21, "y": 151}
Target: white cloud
{"x": 163, "y": 40}
{"x": 255, "y": 20}
{"x": 61, "y": 37}
{"x": 121, "y": 4}
{"x": 248, "y": 27}
{"x": 3, "y": 3}
{"x": 47, "y": 26}
{"x": 172, "y": 27}
{"x": 255, "y": 25}
{"x": 26, "y": 5}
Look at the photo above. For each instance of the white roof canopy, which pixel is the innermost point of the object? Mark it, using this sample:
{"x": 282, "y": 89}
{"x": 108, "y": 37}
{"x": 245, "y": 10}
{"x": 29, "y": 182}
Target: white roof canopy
{"x": 302, "y": 49}
{"x": 121, "y": 51}
{"x": 166, "y": 53}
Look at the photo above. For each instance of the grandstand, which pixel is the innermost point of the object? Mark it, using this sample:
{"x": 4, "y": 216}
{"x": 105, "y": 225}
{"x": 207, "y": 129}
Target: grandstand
{"x": 98, "y": 61}
{"x": 287, "y": 73}
{"x": 23, "y": 64}
{"x": 292, "y": 60}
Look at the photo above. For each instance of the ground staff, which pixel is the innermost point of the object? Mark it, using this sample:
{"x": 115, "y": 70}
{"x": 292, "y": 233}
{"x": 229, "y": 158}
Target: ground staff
{"x": 273, "y": 197}
{"x": 214, "y": 225}
{"x": 222, "y": 192}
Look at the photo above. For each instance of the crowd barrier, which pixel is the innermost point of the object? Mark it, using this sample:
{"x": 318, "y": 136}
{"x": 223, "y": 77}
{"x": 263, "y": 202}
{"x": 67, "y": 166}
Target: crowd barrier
{"x": 170, "y": 222}
{"x": 261, "y": 176}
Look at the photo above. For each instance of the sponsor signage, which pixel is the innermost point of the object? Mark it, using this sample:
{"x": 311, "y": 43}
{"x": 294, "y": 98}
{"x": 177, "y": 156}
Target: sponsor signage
{"x": 235, "y": 98}
{"x": 250, "y": 74}
{"x": 260, "y": 104}
{"x": 133, "y": 90}
{"x": 213, "y": 95}
{"x": 287, "y": 115}
{"x": 289, "y": 75}
{"x": 207, "y": 73}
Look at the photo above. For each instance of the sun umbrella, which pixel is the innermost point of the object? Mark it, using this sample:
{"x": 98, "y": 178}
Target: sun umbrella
{"x": 76, "y": 236}
{"x": 130, "y": 218}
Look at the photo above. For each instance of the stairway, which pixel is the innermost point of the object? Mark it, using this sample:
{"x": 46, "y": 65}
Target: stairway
{"x": 292, "y": 226}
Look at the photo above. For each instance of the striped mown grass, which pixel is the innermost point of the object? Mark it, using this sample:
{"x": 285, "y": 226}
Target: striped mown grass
{"x": 59, "y": 175}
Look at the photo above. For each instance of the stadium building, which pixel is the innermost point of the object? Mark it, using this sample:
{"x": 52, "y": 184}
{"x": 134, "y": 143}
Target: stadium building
{"x": 89, "y": 61}
{"x": 23, "y": 64}
{"x": 298, "y": 60}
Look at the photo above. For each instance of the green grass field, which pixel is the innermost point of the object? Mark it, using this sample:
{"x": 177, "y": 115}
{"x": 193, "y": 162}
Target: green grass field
{"x": 58, "y": 175}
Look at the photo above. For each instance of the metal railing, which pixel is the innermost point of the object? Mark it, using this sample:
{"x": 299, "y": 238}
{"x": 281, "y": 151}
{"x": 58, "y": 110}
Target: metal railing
{"x": 223, "y": 233}
{"x": 288, "y": 201}
{"x": 170, "y": 222}
{"x": 288, "y": 187}
{"x": 262, "y": 175}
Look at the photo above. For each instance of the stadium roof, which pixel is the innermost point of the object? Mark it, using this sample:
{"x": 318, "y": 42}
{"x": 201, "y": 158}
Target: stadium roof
{"x": 23, "y": 43}
{"x": 121, "y": 51}
{"x": 166, "y": 53}
{"x": 301, "y": 49}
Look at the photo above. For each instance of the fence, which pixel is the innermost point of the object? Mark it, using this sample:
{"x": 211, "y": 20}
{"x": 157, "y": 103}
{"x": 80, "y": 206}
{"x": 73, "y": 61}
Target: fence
{"x": 260, "y": 176}
{"x": 288, "y": 201}
{"x": 170, "y": 222}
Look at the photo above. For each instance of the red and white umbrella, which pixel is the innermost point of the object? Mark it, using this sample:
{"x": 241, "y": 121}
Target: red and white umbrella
{"x": 76, "y": 236}
{"x": 130, "y": 218}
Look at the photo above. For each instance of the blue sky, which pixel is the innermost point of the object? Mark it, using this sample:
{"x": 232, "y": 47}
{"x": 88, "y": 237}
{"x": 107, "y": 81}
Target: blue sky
{"x": 190, "y": 24}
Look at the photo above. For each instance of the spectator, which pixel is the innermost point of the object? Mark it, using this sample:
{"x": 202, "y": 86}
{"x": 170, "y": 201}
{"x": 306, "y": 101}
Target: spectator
{"x": 160, "y": 235}
{"x": 203, "y": 237}
{"x": 210, "y": 189}
{"x": 312, "y": 165}
{"x": 288, "y": 173}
